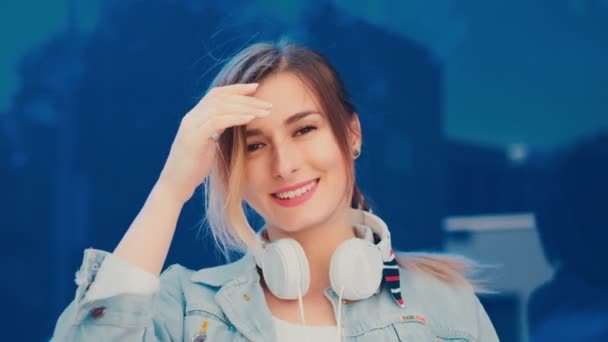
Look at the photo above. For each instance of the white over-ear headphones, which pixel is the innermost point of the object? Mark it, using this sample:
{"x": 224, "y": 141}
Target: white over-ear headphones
{"x": 356, "y": 267}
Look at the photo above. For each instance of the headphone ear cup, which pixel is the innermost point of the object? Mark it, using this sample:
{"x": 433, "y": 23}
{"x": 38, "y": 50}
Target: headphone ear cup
{"x": 356, "y": 269}
{"x": 285, "y": 268}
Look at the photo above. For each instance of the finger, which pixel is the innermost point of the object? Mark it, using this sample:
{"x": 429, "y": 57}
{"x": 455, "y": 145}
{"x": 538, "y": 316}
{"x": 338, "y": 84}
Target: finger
{"x": 220, "y": 123}
{"x": 236, "y": 109}
{"x": 247, "y": 100}
{"x": 239, "y": 88}
{"x": 197, "y": 118}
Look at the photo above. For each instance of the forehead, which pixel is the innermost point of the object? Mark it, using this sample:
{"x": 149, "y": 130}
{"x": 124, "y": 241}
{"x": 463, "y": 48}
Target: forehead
{"x": 287, "y": 93}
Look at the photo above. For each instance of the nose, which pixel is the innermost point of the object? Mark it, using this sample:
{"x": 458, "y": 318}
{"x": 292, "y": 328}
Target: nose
{"x": 286, "y": 161}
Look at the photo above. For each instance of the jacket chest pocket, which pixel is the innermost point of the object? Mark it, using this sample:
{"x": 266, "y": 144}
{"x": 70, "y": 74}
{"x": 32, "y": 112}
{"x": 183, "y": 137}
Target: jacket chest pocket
{"x": 202, "y": 325}
{"x": 415, "y": 331}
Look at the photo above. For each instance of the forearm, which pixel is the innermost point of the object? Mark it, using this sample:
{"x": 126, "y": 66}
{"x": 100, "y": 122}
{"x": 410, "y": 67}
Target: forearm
{"x": 147, "y": 241}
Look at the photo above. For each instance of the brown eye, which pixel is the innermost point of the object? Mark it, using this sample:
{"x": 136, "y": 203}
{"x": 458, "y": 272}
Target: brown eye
{"x": 305, "y": 130}
{"x": 253, "y": 147}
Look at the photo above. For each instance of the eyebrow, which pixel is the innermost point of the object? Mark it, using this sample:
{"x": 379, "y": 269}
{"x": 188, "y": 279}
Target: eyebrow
{"x": 289, "y": 121}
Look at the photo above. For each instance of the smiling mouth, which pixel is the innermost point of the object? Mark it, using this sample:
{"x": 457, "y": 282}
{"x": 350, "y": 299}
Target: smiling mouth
{"x": 287, "y": 195}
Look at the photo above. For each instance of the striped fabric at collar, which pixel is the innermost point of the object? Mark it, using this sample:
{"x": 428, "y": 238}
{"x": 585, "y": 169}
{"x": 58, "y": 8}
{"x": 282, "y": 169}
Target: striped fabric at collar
{"x": 390, "y": 275}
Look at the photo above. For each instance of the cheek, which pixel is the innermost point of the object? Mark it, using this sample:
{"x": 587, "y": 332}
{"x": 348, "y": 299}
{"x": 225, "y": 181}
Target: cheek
{"x": 327, "y": 156}
{"x": 330, "y": 160}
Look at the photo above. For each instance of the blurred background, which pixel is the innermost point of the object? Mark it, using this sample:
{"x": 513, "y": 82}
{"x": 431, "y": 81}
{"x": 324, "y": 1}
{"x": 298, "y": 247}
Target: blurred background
{"x": 484, "y": 129}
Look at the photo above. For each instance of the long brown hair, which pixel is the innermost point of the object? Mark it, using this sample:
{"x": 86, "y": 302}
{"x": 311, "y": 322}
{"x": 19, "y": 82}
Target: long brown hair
{"x": 223, "y": 187}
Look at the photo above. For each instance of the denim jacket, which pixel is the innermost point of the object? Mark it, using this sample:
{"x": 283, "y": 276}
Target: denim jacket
{"x": 227, "y": 303}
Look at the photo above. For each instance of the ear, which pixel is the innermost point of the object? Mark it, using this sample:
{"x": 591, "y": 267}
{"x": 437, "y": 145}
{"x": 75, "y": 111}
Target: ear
{"x": 355, "y": 136}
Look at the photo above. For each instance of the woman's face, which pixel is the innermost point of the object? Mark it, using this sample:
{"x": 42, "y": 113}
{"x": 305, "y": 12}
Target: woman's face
{"x": 295, "y": 171}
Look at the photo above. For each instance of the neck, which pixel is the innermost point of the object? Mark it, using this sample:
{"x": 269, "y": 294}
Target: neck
{"x": 319, "y": 243}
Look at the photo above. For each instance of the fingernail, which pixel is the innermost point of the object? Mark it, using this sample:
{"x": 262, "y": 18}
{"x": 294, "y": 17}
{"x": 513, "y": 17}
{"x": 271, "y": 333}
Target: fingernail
{"x": 267, "y": 104}
{"x": 253, "y": 85}
{"x": 262, "y": 112}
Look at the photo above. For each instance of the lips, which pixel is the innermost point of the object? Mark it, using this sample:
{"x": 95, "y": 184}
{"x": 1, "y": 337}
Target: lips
{"x": 299, "y": 199}
{"x": 294, "y": 187}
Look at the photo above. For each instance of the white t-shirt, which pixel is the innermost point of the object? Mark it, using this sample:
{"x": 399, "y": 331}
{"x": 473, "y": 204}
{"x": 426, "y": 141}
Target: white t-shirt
{"x": 292, "y": 332}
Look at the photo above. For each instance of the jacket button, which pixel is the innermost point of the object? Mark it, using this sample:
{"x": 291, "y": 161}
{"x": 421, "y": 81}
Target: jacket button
{"x": 98, "y": 312}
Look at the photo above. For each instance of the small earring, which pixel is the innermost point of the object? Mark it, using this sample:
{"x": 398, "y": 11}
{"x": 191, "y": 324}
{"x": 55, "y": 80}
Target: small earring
{"x": 356, "y": 154}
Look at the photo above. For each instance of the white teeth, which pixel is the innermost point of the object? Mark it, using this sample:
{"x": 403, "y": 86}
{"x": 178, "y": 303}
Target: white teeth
{"x": 297, "y": 192}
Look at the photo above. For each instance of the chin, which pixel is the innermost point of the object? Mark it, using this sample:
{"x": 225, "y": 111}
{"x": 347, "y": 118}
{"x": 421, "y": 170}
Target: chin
{"x": 290, "y": 225}
{"x": 297, "y": 223}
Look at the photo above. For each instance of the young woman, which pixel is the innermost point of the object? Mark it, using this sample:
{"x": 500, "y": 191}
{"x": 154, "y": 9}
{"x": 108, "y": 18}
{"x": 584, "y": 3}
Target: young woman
{"x": 278, "y": 132}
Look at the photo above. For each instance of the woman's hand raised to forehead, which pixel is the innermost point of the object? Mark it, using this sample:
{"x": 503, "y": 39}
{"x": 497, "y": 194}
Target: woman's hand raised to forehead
{"x": 194, "y": 150}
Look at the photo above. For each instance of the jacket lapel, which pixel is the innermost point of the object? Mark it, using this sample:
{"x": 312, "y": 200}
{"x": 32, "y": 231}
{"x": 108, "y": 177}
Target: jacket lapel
{"x": 245, "y": 306}
{"x": 241, "y": 297}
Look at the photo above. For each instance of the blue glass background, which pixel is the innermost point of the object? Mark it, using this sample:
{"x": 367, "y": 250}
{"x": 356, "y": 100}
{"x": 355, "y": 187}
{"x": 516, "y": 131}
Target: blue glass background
{"x": 463, "y": 105}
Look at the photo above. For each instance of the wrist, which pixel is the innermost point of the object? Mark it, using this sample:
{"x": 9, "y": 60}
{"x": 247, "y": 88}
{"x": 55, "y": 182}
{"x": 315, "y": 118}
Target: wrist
{"x": 166, "y": 193}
